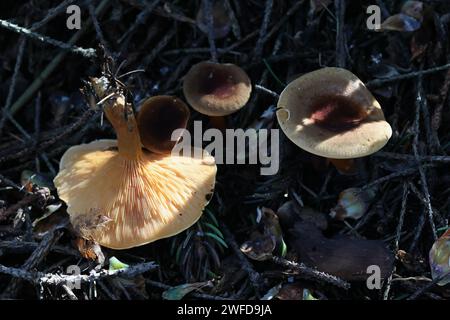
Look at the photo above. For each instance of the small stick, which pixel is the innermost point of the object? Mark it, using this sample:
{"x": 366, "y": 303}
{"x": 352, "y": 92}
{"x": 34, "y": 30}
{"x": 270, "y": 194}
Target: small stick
{"x": 339, "y": 6}
{"x": 234, "y": 22}
{"x": 397, "y": 238}
{"x": 263, "y": 29}
{"x": 409, "y": 157}
{"x": 12, "y": 86}
{"x": 255, "y": 277}
{"x": 423, "y": 179}
{"x": 380, "y": 82}
{"x": 309, "y": 273}
{"x": 87, "y": 53}
{"x": 268, "y": 91}
{"x": 56, "y": 279}
{"x": 422, "y": 290}
{"x": 207, "y": 6}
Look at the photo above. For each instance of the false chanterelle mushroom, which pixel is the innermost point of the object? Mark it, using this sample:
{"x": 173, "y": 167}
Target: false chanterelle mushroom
{"x": 145, "y": 196}
{"x": 330, "y": 113}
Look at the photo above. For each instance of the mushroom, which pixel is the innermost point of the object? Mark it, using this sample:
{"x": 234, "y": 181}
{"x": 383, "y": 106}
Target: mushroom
{"x": 216, "y": 89}
{"x": 330, "y": 113}
{"x": 146, "y": 196}
{"x": 158, "y": 118}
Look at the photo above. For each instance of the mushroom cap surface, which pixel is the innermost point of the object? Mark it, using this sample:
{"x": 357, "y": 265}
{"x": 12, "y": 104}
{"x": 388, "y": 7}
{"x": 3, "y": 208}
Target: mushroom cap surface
{"x": 330, "y": 113}
{"x": 157, "y": 120}
{"x": 152, "y": 198}
{"x": 216, "y": 89}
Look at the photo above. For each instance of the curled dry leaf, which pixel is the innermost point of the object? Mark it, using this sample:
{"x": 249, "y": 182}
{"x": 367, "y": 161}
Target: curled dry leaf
{"x": 353, "y": 203}
{"x": 341, "y": 256}
{"x": 413, "y": 9}
{"x": 400, "y": 22}
{"x": 294, "y": 291}
{"x": 178, "y": 292}
{"x": 440, "y": 258}
{"x": 259, "y": 249}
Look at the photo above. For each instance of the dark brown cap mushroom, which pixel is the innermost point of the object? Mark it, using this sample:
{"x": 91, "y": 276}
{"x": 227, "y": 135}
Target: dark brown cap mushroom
{"x": 158, "y": 118}
{"x": 216, "y": 89}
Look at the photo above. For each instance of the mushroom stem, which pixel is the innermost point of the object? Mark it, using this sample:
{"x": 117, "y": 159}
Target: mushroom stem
{"x": 218, "y": 122}
{"x": 344, "y": 166}
{"x": 122, "y": 119}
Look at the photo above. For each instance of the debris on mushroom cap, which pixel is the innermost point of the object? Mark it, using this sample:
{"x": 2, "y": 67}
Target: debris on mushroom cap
{"x": 147, "y": 196}
{"x": 216, "y": 89}
{"x": 330, "y": 113}
{"x": 157, "y": 120}
{"x": 221, "y": 20}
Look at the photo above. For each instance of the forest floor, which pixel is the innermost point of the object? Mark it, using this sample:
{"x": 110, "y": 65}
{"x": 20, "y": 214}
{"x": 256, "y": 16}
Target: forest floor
{"x": 405, "y": 187}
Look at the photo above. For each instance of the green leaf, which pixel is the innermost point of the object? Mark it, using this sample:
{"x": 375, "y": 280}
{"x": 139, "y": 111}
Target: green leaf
{"x": 178, "y": 292}
{"x": 212, "y": 216}
{"x": 116, "y": 264}
{"x": 218, "y": 239}
{"x": 215, "y": 229}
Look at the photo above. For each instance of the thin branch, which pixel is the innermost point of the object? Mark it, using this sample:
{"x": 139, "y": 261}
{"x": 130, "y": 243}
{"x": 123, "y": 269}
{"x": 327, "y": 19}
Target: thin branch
{"x": 87, "y": 53}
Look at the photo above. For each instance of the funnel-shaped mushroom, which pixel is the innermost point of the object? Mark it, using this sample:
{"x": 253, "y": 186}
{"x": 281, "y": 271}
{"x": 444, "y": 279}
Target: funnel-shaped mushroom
{"x": 330, "y": 113}
{"x": 158, "y": 118}
{"x": 216, "y": 89}
{"x": 146, "y": 196}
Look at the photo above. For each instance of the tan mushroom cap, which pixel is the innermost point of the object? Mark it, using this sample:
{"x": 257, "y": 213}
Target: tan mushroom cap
{"x": 145, "y": 196}
{"x": 216, "y": 89}
{"x": 157, "y": 120}
{"x": 330, "y": 113}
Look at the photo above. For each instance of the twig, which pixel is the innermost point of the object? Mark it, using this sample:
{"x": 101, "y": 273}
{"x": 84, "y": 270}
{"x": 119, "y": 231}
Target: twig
{"x": 88, "y": 116}
{"x": 233, "y": 20}
{"x": 98, "y": 30}
{"x": 380, "y": 82}
{"x": 17, "y": 246}
{"x": 409, "y": 157}
{"x": 87, "y": 53}
{"x": 207, "y": 6}
{"x": 397, "y": 238}
{"x": 263, "y": 29}
{"x": 268, "y": 91}
{"x": 255, "y": 277}
{"x": 422, "y": 290}
{"x": 284, "y": 19}
{"x": 33, "y": 261}
{"x": 51, "y": 14}
{"x": 140, "y": 19}
{"x": 56, "y": 279}
{"x": 52, "y": 65}
{"x": 339, "y": 6}
{"x": 308, "y": 273}
{"x": 402, "y": 173}
{"x": 161, "y": 44}
{"x": 12, "y": 86}
{"x": 423, "y": 179}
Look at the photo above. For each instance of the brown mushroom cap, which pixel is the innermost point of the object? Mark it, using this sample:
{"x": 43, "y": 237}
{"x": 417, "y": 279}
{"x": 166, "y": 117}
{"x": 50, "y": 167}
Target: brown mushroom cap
{"x": 216, "y": 89}
{"x": 158, "y": 118}
{"x": 330, "y": 113}
{"x": 144, "y": 196}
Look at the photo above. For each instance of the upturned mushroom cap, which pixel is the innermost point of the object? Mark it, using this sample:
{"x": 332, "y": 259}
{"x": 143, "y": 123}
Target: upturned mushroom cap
{"x": 158, "y": 118}
{"x": 330, "y": 113}
{"x": 216, "y": 89}
{"x": 144, "y": 196}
